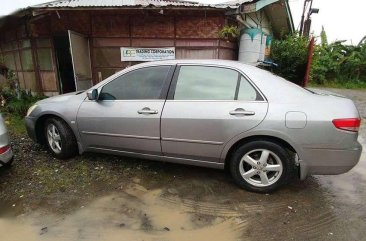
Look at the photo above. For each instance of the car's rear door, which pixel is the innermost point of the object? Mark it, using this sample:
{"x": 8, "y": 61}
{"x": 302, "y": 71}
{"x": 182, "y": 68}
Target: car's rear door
{"x": 126, "y": 117}
{"x": 206, "y": 107}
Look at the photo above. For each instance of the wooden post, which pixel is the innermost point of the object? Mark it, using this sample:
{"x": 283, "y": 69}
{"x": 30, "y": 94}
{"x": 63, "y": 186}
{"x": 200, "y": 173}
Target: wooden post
{"x": 310, "y": 59}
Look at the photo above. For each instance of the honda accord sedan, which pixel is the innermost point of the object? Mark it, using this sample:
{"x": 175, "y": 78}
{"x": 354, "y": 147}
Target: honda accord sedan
{"x": 211, "y": 113}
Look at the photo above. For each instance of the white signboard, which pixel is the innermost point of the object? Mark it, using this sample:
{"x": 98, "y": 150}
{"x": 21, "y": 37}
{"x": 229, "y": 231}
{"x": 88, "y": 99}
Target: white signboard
{"x": 147, "y": 54}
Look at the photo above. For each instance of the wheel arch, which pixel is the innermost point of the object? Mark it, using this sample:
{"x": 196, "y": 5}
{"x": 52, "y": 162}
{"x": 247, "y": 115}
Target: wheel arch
{"x": 252, "y": 138}
{"x": 40, "y": 122}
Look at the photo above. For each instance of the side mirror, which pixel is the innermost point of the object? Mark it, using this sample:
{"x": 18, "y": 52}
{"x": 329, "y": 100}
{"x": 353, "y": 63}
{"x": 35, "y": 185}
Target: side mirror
{"x": 92, "y": 94}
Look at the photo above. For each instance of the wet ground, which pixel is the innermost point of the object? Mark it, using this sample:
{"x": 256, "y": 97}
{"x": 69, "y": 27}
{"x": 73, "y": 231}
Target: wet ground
{"x": 100, "y": 197}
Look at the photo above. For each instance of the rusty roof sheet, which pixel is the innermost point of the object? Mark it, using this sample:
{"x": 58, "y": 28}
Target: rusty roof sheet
{"x": 135, "y": 3}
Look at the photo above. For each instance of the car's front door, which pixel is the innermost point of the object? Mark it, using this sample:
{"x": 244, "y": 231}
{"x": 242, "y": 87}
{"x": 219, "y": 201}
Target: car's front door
{"x": 126, "y": 116}
{"x": 206, "y": 107}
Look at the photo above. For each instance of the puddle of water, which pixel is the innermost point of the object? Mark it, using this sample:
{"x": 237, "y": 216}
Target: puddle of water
{"x": 136, "y": 214}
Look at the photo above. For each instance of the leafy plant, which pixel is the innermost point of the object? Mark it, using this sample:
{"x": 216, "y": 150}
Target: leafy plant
{"x": 290, "y": 53}
{"x": 18, "y": 107}
{"x": 14, "y": 100}
{"x": 339, "y": 62}
{"x": 229, "y": 32}
{"x": 335, "y": 64}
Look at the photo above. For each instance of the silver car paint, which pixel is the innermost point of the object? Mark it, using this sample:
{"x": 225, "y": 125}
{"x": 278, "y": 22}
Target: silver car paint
{"x": 4, "y": 141}
{"x": 321, "y": 148}
{"x": 118, "y": 125}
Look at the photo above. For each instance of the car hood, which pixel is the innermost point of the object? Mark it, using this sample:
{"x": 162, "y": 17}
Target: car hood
{"x": 60, "y": 98}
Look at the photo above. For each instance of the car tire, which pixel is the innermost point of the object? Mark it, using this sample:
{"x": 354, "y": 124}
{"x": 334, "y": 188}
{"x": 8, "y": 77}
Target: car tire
{"x": 60, "y": 139}
{"x": 261, "y": 166}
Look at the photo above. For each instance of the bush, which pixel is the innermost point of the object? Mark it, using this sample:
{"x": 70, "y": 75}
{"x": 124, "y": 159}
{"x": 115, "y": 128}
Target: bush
{"x": 335, "y": 64}
{"x": 20, "y": 106}
{"x": 16, "y": 102}
{"x": 290, "y": 53}
{"x": 338, "y": 62}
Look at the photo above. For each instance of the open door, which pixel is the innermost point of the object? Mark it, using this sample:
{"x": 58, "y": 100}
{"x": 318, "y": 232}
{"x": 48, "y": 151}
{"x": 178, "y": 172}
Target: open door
{"x": 80, "y": 53}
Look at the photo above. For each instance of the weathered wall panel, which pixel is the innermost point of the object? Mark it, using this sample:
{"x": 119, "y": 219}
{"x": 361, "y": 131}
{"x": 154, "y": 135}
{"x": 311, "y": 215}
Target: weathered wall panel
{"x": 153, "y": 26}
{"x": 111, "y": 25}
{"x": 229, "y": 54}
{"x": 196, "y": 53}
{"x": 152, "y": 42}
{"x": 198, "y": 27}
{"x": 111, "y": 42}
{"x": 107, "y": 57}
{"x": 48, "y": 80}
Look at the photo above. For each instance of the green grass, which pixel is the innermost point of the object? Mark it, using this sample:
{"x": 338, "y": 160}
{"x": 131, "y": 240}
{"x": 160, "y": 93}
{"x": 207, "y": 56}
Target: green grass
{"x": 15, "y": 124}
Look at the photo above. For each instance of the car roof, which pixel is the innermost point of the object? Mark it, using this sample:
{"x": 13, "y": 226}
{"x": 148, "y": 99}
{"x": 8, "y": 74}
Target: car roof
{"x": 272, "y": 86}
{"x": 221, "y": 62}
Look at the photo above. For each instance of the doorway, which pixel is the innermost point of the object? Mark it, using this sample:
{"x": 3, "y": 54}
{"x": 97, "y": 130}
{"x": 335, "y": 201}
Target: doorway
{"x": 64, "y": 64}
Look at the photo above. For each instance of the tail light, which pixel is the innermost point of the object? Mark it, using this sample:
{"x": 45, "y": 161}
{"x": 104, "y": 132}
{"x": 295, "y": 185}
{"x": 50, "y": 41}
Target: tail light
{"x": 4, "y": 149}
{"x": 351, "y": 124}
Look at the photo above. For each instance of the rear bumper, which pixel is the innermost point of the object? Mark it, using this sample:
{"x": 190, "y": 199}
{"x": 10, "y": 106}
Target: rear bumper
{"x": 30, "y": 124}
{"x": 329, "y": 161}
{"x": 6, "y": 157}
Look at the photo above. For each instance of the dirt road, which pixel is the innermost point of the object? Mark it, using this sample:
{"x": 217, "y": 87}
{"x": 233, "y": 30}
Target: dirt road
{"x": 100, "y": 197}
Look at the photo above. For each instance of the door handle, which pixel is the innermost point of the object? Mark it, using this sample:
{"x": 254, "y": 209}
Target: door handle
{"x": 147, "y": 111}
{"x": 241, "y": 111}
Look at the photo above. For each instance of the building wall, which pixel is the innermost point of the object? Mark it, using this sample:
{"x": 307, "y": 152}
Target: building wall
{"x": 194, "y": 33}
{"x": 258, "y": 20}
{"x": 16, "y": 53}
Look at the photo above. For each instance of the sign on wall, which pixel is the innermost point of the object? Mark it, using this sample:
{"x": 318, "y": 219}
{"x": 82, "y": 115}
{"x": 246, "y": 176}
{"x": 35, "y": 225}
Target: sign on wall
{"x": 147, "y": 54}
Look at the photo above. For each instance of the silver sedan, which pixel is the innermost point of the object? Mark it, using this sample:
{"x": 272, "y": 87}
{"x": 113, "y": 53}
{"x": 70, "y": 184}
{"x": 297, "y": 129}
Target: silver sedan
{"x": 212, "y": 113}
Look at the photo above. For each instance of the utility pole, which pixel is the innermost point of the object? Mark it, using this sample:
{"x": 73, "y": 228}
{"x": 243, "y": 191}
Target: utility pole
{"x": 306, "y": 24}
{"x": 303, "y": 17}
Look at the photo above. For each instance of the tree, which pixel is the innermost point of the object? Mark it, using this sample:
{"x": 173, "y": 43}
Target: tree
{"x": 323, "y": 37}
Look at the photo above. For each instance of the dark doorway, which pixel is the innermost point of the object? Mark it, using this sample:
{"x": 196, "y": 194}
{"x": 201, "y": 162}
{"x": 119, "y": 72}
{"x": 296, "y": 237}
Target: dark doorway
{"x": 64, "y": 64}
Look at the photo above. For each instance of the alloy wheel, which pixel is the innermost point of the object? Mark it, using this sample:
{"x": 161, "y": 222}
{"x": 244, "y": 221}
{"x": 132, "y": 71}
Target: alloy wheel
{"x": 261, "y": 167}
{"x": 54, "y": 138}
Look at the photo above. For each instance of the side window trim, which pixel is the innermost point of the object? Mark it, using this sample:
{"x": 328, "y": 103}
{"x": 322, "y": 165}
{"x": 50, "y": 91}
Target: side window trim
{"x": 264, "y": 99}
{"x": 174, "y": 80}
{"x": 165, "y": 88}
{"x": 237, "y": 86}
{"x": 168, "y": 82}
{"x": 173, "y": 84}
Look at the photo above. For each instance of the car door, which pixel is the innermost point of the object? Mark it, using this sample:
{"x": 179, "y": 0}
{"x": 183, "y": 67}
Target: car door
{"x": 206, "y": 107}
{"x": 126, "y": 116}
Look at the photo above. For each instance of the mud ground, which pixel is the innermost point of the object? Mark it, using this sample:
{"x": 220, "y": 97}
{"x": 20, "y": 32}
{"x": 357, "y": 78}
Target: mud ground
{"x": 101, "y": 197}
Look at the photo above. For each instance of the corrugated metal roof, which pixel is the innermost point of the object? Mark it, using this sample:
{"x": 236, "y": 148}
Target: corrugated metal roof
{"x": 132, "y": 3}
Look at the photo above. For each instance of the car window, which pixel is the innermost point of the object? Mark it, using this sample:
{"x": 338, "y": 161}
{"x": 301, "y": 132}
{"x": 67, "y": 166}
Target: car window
{"x": 141, "y": 84}
{"x": 247, "y": 92}
{"x": 206, "y": 83}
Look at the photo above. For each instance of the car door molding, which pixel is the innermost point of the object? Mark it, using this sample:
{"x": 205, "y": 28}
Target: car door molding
{"x": 120, "y": 135}
{"x": 193, "y": 141}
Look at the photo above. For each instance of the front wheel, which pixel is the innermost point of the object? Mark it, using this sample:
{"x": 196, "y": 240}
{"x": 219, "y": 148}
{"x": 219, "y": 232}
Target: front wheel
{"x": 261, "y": 166}
{"x": 60, "y": 139}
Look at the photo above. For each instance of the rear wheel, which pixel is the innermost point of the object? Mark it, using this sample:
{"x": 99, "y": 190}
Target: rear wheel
{"x": 60, "y": 139}
{"x": 261, "y": 166}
